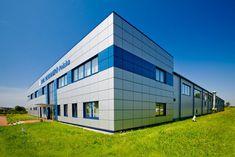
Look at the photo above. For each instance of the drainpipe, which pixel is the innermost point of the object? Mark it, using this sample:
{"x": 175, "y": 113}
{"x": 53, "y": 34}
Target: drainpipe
{"x": 214, "y": 97}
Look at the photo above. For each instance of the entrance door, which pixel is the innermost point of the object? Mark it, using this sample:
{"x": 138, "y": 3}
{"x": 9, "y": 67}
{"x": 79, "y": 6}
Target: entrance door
{"x": 48, "y": 113}
{"x": 40, "y": 112}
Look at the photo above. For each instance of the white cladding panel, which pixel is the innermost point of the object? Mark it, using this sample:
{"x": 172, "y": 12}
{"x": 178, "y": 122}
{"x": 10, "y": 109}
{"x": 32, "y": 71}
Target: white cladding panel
{"x": 97, "y": 40}
{"x": 135, "y": 100}
{"x": 98, "y": 87}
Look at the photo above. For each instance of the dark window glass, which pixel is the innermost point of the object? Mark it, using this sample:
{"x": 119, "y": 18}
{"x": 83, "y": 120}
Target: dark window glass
{"x": 43, "y": 90}
{"x": 65, "y": 110}
{"x": 58, "y": 110}
{"x": 51, "y": 93}
{"x": 74, "y": 110}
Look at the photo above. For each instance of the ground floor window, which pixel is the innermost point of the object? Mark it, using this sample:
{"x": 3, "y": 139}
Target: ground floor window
{"x": 66, "y": 110}
{"x": 74, "y": 110}
{"x": 91, "y": 110}
{"x": 160, "y": 109}
{"x": 58, "y": 110}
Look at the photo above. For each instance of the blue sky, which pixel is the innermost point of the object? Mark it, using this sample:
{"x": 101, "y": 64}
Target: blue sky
{"x": 199, "y": 34}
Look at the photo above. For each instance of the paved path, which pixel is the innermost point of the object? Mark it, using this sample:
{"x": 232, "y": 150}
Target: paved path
{"x": 3, "y": 121}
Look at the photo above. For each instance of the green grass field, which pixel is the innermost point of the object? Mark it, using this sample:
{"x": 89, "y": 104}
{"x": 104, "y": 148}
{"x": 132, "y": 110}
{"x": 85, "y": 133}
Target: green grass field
{"x": 212, "y": 135}
{"x": 12, "y": 118}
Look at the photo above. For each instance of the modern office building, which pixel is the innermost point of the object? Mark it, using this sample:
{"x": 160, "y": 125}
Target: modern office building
{"x": 116, "y": 78}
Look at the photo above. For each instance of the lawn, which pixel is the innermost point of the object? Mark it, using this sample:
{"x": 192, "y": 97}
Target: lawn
{"x": 212, "y": 135}
{"x": 12, "y": 118}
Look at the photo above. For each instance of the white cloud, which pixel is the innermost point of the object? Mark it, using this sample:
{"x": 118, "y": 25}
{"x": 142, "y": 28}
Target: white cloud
{"x": 10, "y": 97}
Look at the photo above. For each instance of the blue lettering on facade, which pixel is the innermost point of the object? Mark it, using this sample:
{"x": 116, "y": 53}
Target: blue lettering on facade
{"x": 55, "y": 71}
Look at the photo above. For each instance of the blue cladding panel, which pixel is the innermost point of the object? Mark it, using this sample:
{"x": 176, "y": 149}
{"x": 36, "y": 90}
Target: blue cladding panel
{"x": 106, "y": 58}
{"x": 103, "y": 55}
{"x": 130, "y": 62}
{"x": 69, "y": 77}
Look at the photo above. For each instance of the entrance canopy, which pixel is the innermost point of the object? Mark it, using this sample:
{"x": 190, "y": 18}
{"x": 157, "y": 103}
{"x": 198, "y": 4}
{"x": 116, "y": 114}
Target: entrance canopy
{"x": 45, "y": 111}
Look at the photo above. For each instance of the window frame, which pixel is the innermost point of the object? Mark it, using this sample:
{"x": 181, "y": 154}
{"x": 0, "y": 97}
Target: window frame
{"x": 195, "y": 96}
{"x": 58, "y": 110}
{"x": 160, "y": 106}
{"x": 36, "y": 94}
{"x": 66, "y": 113}
{"x": 185, "y": 91}
{"x": 73, "y": 109}
{"x": 92, "y": 114}
{"x": 94, "y": 69}
{"x": 62, "y": 81}
{"x": 43, "y": 90}
{"x": 160, "y": 75}
{"x": 75, "y": 73}
{"x": 87, "y": 69}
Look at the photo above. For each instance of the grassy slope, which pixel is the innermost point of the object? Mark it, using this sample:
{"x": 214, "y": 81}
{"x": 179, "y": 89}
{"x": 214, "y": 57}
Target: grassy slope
{"x": 212, "y": 135}
{"x": 12, "y": 118}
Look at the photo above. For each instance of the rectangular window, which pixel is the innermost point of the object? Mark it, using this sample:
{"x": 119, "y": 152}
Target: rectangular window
{"x": 160, "y": 75}
{"x": 210, "y": 98}
{"x": 51, "y": 93}
{"x": 36, "y": 94}
{"x": 74, "y": 110}
{"x": 62, "y": 81}
{"x": 75, "y": 74}
{"x": 43, "y": 90}
{"x": 94, "y": 64}
{"x": 58, "y": 110}
{"x": 66, "y": 110}
{"x": 186, "y": 89}
{"x": 205, "y": 96}
{"x": 81, "y": 72}
{"x": 197, "y": 93}
{"x": 91, "y": 110}
{"x": 160, "y": 109}
{"x": 88, "y": 69}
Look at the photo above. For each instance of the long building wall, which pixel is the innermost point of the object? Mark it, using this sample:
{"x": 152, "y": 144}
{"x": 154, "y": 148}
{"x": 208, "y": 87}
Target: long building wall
{"x": 197, "y": 101}
{"x": 133, "y": 85}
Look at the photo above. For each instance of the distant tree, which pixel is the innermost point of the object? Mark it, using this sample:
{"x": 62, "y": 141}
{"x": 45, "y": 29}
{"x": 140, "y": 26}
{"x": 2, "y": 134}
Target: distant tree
{"x": 227, "y": 104}
{"x": 20, "y": 109}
